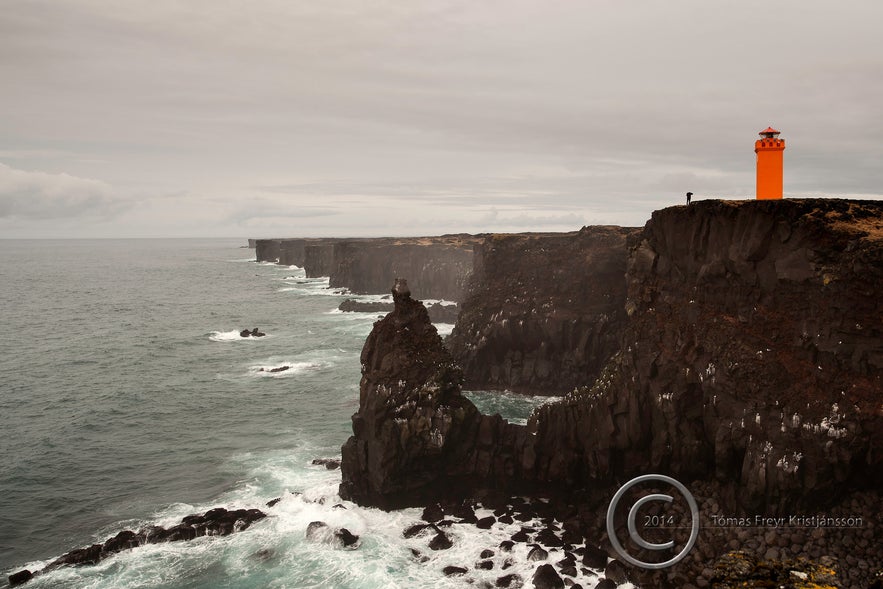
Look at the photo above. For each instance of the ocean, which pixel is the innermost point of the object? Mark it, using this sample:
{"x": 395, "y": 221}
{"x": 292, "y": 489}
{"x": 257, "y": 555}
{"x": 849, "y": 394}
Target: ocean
{"x": 127, "y": 398}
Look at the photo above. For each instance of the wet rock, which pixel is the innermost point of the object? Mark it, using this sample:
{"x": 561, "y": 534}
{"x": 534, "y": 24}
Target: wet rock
{"x": 485, "y": 565}
{"x": 594, "y": 557}
{"x": 275, "y": 369}
{"x": 506, "y": 545}
{"x": 486, "y": 553}
{"x": 545, "y": 577}
{"x": 485, "y": 523}
{"x": 416, "y": 529}
{"x": 605, "y": 584}
{"x": 547, "y": 537}
{"x": 20, "y": 577}
{"x": 433, "y": 513}
{"x": 616, "y": 572}
{"x": 215, "y": 522}
{"x": 451, "y": 571}
{"x": 440, "y": 541}
{"x": 253, "y": 333}
{"x": 520, "y": 536}
{"x": 537, "y": 553}
{"x": 346, "y": 537}
{"x": 329, "y": 463}
{"x": 512, "y": 581}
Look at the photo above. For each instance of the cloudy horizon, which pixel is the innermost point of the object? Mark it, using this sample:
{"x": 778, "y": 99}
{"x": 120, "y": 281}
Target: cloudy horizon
{"x": 345, "y": 118}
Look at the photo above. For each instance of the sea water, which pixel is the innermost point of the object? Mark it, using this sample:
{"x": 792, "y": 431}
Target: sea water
{"x": 128, "y": 398}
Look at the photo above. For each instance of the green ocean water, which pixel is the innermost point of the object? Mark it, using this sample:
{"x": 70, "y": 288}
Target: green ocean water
{"x": 127, "y": 398}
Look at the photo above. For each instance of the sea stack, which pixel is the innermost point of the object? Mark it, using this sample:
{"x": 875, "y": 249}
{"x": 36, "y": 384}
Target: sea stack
{"x": 408, "y": 432}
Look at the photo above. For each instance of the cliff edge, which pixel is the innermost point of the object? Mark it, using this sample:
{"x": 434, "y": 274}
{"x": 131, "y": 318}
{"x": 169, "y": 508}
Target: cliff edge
{"x": 753, "y": 353}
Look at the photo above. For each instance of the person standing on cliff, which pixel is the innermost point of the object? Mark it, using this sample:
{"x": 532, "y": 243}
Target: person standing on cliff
{"x": 689, "y": 198}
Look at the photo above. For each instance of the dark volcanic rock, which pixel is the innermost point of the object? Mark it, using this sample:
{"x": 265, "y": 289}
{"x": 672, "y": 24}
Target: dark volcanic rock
{"x": 415, "y": 435}
{"x": 318, "y": 259}
{"x": 543, "y": 312}
{"x": 321, "y": 532}
{"x": 433, "y": 513}
{"x": 545, "y": 577}
{"x": 451, "y": 571}
{"x": 215, "y": 522}
{"x": 594, "y": 557}
{"x": 253, "y": 333}
{"x": 416, "y": 530}
{"x": 440, "y": 541}
{"x": 752, "y": 352}
{"x": 328, "y": 463}
{"x": 438, "y": 313}
{"x": 616, "y": 572}
{"x": 739, "y": 569}
{"x": 20, "y": 577}
{"x": 537, "y": 553}
{"x": 754, "y": 345}
{"x": 485, "y": 523}
{"x": 437, "y": 267}
{"x": 346, "y": 537}
{"x": 512, "y": 581}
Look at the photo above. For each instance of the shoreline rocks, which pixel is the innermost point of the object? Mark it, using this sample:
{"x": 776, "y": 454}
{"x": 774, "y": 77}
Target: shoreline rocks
{"x": 215, "y": 522}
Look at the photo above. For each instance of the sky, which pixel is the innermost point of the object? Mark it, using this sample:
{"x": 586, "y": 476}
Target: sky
{"x": 282, "y": 118}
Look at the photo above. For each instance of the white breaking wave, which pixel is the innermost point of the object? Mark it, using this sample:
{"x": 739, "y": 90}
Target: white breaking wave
{"x": 283, "y": 369}
{"x": 232, "y": 336}
{"x": 444, "y": 328}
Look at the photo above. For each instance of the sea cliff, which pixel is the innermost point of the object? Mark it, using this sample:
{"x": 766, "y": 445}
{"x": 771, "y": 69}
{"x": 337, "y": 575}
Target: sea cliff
{"x": 748, "y": 363}
{"x": 437, "y": 267}
{"x": 543, "y": 311}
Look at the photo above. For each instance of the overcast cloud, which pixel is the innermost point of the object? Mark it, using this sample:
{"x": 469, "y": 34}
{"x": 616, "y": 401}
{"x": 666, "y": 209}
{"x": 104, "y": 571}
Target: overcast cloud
{"x": 345, "y": 117}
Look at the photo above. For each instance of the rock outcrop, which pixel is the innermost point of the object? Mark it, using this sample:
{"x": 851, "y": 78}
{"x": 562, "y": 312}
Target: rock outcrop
{"x": 438, "y": 313}
{"x": 267, "y": 250}
{"x": 318, "y": 259}
{"x": 215, "y": 522}
{"x": 436, "y": 267}
{"x": 415, "y": 437}
{"x": 543, "y": 312}
{"x": 753, "y": 353}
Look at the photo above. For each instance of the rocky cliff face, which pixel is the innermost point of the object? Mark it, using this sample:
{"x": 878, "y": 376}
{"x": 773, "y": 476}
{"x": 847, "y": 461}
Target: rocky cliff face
{"x": 753, "y": 353}
{"x": 544, "y": 312}
{"x": 415, "y": 437}
{"x": 436, "y": 267}
{"x": 318, "y": 259}
{"x": 267, "y": 250}
{"x": 291, "y": 252}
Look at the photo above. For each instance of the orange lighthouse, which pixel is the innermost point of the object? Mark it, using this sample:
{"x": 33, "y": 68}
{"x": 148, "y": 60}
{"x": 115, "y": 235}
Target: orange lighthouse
{"x": 769, "y": 149}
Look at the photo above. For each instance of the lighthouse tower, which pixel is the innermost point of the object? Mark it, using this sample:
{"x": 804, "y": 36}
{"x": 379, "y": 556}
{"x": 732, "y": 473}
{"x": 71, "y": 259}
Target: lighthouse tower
{"x": 769, "y": 149}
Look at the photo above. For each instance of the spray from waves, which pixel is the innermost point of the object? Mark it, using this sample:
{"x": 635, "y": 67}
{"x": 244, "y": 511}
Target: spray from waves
{"x": 444, "y": 328}
{"x": 232, "y": 336}
{"x": 282, "y": 368}
{"x": 276, "y": 552}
